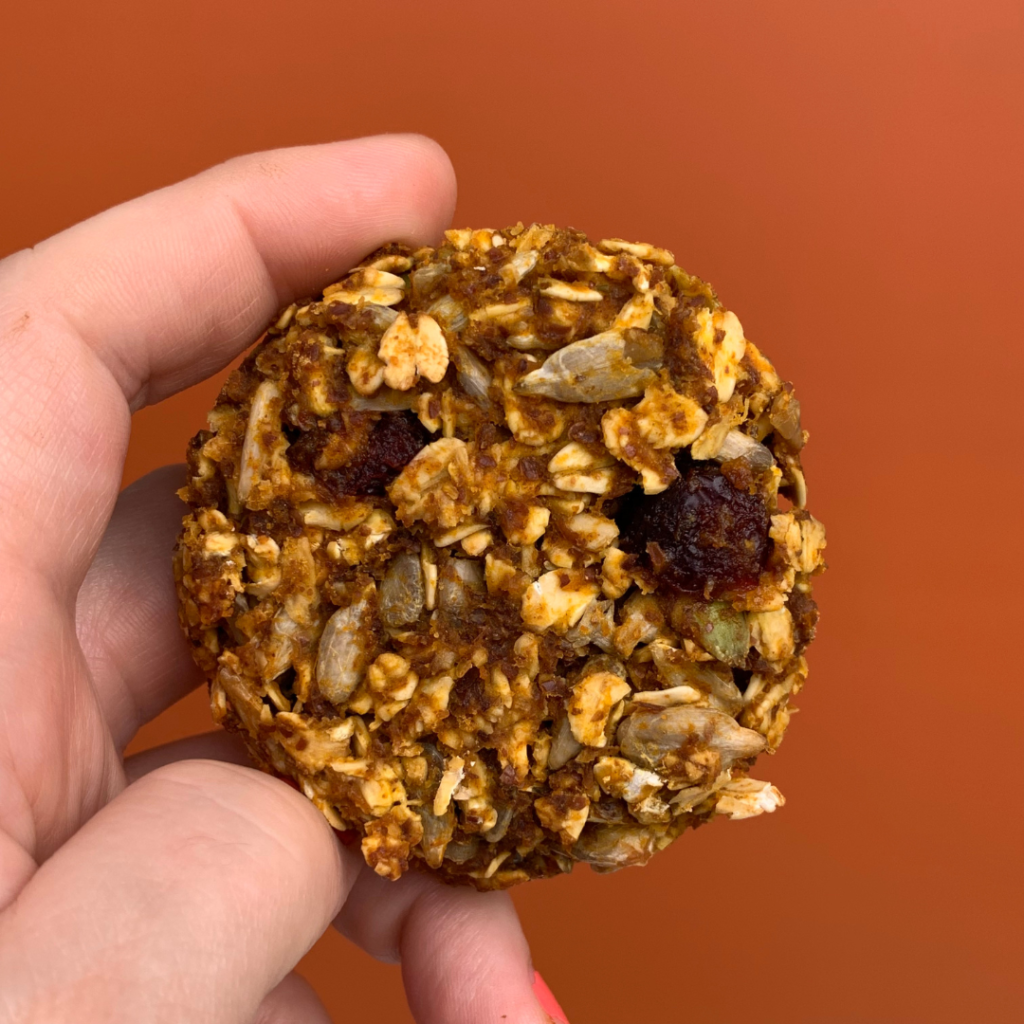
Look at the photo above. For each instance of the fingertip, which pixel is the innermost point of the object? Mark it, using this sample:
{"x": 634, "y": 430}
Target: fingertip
{"x": 233, "y": 806}
{"x": 230, "y": 792}
{"x": 361, "y": 193}
{"x": 424, "y": 183}
{"x": 209, "y": 773}
{"x": 465, "y": 958}
{"x": 429, "y": 155}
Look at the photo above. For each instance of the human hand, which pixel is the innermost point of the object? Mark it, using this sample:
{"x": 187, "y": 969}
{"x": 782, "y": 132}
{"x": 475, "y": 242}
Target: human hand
{"x": 166, "y": 888}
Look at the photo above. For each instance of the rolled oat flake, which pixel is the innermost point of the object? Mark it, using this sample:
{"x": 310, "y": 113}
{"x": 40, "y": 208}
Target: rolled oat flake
{"x": 499, "y": 552}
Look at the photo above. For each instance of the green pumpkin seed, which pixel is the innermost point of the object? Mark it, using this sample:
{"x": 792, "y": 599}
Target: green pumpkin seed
{"x": 722, "y": 631}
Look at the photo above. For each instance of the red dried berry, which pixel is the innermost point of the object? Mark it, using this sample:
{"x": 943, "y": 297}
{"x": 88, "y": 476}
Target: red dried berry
{"x": 701, "y": 535}
{"x": 395, "y": 439}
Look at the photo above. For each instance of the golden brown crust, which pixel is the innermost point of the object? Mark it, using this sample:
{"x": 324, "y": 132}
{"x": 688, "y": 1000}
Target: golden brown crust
{"x": 486, "y": 554}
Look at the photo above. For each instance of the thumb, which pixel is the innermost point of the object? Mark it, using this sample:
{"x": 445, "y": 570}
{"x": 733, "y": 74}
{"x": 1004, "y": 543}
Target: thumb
{"x": 189, "y": 897}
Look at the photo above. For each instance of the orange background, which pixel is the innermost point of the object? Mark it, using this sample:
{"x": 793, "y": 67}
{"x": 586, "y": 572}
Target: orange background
{"x": 849, "y": 175}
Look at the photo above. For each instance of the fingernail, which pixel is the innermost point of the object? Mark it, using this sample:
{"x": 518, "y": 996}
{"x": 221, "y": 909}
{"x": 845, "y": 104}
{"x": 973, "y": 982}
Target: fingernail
{"x": 547, "y": 1000}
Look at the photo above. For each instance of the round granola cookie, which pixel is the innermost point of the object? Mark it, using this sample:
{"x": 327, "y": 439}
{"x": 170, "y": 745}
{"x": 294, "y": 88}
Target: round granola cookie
{"x": 499, "y": 551}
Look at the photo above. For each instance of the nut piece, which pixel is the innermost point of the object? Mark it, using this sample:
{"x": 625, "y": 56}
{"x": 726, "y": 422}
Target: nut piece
{"x": 401, "y": 592}
{"x": 722, "y": 631}
{"x": 411, "y": 349}
{"x": 611, "y": 847}
{"x": 673, "y": 741}
{"x": 263, "y": 462}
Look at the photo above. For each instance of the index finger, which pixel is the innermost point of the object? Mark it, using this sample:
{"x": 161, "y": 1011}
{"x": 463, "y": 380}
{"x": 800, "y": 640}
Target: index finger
{"x": 167, "y": 288}
{"x": 154, "y": 295}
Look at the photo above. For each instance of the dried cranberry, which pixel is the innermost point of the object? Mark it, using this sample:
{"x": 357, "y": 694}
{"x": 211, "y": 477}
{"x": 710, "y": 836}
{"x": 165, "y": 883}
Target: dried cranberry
{"x": 390, "y": 446}
{"x": 701, "y": 535}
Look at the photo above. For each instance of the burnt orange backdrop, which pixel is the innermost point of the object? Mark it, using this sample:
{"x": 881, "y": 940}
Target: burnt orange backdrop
{"x": 849, "y": 176}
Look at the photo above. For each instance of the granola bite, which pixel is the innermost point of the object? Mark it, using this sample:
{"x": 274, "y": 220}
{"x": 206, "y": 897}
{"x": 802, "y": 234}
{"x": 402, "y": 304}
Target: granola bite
{"x": 499, "y": 552}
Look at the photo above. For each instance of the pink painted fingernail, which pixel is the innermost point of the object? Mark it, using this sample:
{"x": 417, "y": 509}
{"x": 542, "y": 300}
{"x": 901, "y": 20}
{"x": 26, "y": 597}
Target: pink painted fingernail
{"x": 547, "y": 1000}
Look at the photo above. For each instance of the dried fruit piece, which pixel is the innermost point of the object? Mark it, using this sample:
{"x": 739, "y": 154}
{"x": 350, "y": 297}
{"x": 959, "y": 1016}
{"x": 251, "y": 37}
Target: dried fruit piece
{"x": 702, "y": 535}
{"x": 390, "y": 445}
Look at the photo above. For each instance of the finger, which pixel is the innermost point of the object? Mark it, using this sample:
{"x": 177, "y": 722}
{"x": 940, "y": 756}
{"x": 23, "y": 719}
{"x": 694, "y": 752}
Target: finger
{"x": 216, "y": 745}
{"x": 463, "y": 953}
{"x": 292, "y": 1002}
{"x": 188, "y": 897}
{"x": 158, "y": 293}
{"x": 127, "y": 611}
{"x": 168, "y": 287}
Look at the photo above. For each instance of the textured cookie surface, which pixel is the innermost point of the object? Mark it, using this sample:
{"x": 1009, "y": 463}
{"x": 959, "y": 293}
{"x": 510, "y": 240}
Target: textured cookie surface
{"x": 499, "y": 551}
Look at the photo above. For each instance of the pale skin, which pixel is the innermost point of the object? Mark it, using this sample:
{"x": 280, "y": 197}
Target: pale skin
{"x": 181, "y": 885}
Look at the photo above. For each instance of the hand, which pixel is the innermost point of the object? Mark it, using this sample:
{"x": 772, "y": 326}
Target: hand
{"x": 167, "y": 888}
